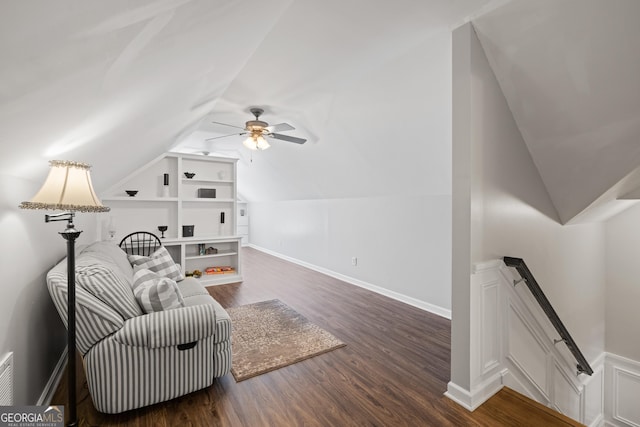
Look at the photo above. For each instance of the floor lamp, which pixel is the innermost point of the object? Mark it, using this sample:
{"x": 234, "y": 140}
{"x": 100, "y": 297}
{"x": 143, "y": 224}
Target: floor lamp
{"x": 68, "y": 188}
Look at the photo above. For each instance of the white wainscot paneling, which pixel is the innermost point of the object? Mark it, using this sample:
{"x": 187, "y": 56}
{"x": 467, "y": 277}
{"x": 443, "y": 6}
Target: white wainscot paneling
{"x": 539, "y": 369}
{"x": 485, "y": 339}
{"x": 512, "y": 344}
{"x": 594, "y": 395}
{"x": 567, "y": 396}
{"x": 490, "y": 342}
{"x": 626, "y": 389}
{"x": 621, "y": 391}
{"x": 526, "y": 352}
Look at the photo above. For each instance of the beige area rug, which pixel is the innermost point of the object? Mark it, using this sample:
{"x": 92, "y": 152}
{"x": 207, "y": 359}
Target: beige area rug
{"x": 269, "y": 335}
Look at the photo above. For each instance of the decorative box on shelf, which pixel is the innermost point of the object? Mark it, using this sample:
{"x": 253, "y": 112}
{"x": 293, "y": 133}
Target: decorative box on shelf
{"x": 207, "y": 193}
{"x": 226, "y": 269}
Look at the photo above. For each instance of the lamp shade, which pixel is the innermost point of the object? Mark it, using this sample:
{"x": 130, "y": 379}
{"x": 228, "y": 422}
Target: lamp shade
{"x": 68, "y": 187}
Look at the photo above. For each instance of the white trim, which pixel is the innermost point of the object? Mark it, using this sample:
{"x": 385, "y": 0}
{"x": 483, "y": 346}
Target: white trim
{"x": 487, "y": 389}
{"x": 594, "y": 384}
{"x": 479, "y": 267}
{"x": 459, "y": 395}
{"x": 481, "y": 393}
{"x": 612, "y": 358}
{"x": 597, "y": 365}
{"x": 54, "y": 380}
{"x": 440, "y": 311}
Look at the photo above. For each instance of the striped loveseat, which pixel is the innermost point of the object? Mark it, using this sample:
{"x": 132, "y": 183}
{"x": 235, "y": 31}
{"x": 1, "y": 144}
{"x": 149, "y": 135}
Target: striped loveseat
{"x": 132, "y": 359}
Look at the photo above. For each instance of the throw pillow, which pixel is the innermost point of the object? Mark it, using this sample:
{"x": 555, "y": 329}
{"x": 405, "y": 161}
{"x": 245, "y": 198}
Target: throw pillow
{"x": 160, "y": 262}
{"x": 154, "y": 292}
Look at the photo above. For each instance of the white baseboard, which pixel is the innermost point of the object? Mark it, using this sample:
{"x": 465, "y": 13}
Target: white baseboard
{"x": 54, "y": 380}
{"x": 480, "y": 394}
{"x": 459, "y": 395}
{"x": 423, "y": 305}
{"x": 598, "y": 422}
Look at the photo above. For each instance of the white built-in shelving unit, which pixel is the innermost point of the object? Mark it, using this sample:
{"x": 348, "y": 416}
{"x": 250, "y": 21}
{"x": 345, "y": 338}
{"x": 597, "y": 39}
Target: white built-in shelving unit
{"x": 214, "y": 220}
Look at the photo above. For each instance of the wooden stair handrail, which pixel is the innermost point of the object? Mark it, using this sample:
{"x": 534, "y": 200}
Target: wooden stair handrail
{"x": 519, "y": 264}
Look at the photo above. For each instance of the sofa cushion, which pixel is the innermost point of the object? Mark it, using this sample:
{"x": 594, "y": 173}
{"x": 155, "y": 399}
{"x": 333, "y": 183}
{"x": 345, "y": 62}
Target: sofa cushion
{"x": 190, "y": 287}
{"x": 88, "y": 259}
{"x": 103, "y": 280}
{"x": 193, "y": 300}
{"x": 154, "y": 292}
{"x": 112, "y": 252}
{"x": 160, "y": 262}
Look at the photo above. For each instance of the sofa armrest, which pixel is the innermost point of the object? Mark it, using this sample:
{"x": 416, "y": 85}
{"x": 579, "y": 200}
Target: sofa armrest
{"x": 168, "y": 328}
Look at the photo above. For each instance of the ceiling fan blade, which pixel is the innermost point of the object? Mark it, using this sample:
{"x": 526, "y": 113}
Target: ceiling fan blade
{"x": 280, "y": 127}
{"x": 226, "y": 124}
{"x": 225, "y": 136}
{"x": 288, "y": 138}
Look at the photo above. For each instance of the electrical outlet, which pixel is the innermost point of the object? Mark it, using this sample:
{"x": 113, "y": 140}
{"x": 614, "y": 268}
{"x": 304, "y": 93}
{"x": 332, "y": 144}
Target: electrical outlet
{"x": 354, "y": 261}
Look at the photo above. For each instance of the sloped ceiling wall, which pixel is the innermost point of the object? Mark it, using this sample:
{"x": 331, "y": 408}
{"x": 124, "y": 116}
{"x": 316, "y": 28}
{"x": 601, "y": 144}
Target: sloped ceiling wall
{"x": 337, "y": 72}
{"x": 117, "y": 83}
{"x": 569, "y": 71}
{"x": 362, "y": 148}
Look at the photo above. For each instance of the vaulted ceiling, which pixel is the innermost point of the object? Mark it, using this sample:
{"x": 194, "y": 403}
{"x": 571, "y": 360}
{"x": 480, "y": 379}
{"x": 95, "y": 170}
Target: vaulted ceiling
{"x": 570, "y": 71}
{"x": 117, "y": 83}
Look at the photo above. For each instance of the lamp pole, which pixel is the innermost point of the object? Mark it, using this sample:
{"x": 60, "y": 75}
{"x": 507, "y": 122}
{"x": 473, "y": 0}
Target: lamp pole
{"x": 70, "y": 234}
{"x": 68, "y": 188}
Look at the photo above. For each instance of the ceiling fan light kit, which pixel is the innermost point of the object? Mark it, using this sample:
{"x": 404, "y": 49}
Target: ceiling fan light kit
{"x": 256, "y": 143}
{"x": 250, "y": 144}
{"x": 258, "y": 130}
{"x": 262, "y": 143}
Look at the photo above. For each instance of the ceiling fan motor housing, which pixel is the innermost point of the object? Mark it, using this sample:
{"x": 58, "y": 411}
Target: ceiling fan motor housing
{"x": 256, "y": 125}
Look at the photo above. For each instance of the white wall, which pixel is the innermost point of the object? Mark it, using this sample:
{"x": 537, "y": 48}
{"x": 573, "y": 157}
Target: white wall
{"x": 401, "y": 243}
{"x": 386, "y": 198}
{"x": 511, "y": 214}
{"x": 29, "y": 323}
{"x": 623, "y": 284}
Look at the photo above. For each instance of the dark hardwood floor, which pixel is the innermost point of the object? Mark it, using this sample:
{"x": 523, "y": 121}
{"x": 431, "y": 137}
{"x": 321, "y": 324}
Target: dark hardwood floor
{"x": 392, "y": 372}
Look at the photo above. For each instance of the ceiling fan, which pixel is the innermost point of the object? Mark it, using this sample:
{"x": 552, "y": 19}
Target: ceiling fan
{"x": 257, "y": 130}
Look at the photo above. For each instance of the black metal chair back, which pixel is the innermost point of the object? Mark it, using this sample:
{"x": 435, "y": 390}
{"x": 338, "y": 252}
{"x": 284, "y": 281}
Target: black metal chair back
{"x": 140, "y": 243}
